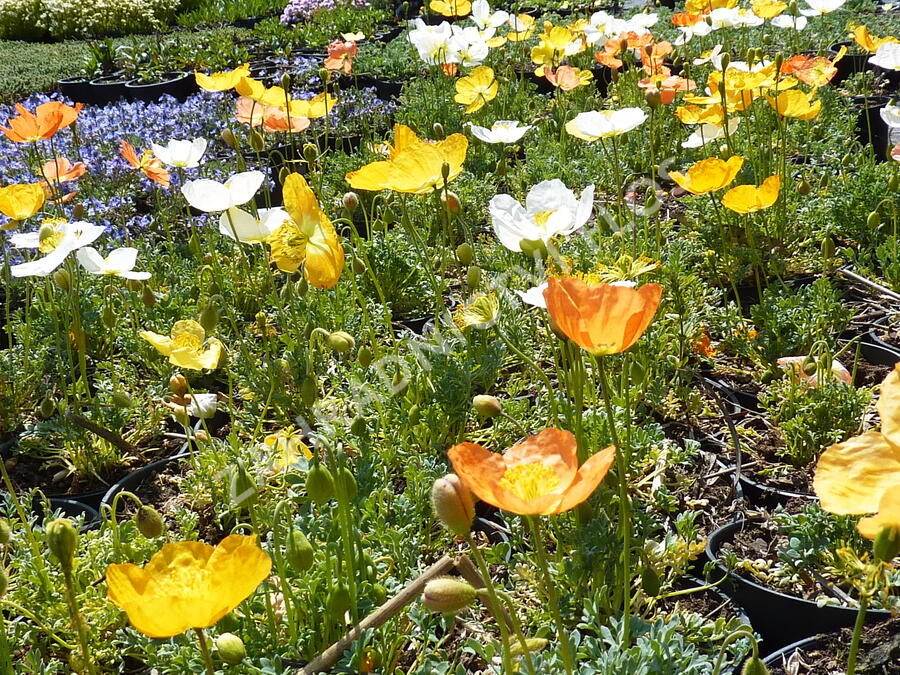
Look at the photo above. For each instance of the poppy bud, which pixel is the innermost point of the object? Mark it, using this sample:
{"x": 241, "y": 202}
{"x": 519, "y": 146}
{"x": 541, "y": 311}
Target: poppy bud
{"x": 178, "y": 384}
{"x": 134, "y": 285}
{"x": 341, "y": 341}
{"x": 803, "y": 188}
{"x": 338, "y": 602}
{"x": 5, "y": 532}
{"x": 810, "y": 367}
{"x": 873, "y": 220}
{"x": 413, "y": 415}
{"x": 209, "y": 317}
{"x": 473, "y": 277}
{"x": 121, "y": 399}
{"x": 242, "y": 488}
{"x": 48, "y": 407}
{"x": 62, "y": 540}
{"x": 286, "y": 81}
{"x": 298, "y": 552}
{"x": 302, "y": 287}
{"x": 828, "y": 247}
{"x": 229, "y": 622}
{"x": 445, "y": 170}
{"x": 725, "y": 60}
{"x": 533, "y": 248}
{"x": 108, "y": 317}
{"x": 62, "y": 279}
{"x": 886, "y": 546}
{"x": 229, "y": 139}
{"x": 614, "y": 75}
{"x": 779, "y": 60}
{"x": 755, "y": 666}
{"x": 310, "y": 153}
{"x": 4, "y": 581}
{"x": 365, "y": 356}
{"x": 257, "y": 142}
{"x": 448, "y": 595}
{"x": 893, "y": 183}
{"x": 351, "y": 202}
{"x": 359, "y": 267}
{"x": 283, "y": 173}
{"x": 348, "y": 483}
{"x": 465, "y": 254}
{"x": 653, "y": 98}
{"x": 650, "y": 582}
{"x": 531, "y": 644}
{"x": 500, "y": 168}
{"x": 453, "y": 505}
{"x": 147, "y": 297}
{"x": 438, "y": 129}
{"x": 358, "y": 425}
{"x": 823, "y": 181}
{"x": 231, "y": 648}
{"x": 792, "y": 8}
{"x": 399, "y": 384}
{"x": 309, "y": 390}
{"x": 149, "y": 522}
{"x": 194, "y": 244}
{"x": 319, "y": 483}
{"x": 487, "y": 406}
{"x": 451, "y": 200}
{"x": 847, "y": 159}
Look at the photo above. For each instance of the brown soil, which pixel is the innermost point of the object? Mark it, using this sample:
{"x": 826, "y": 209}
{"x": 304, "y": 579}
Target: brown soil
{"x": 708, "y": 604}
{"x": 879, "y": 653}
{"x": 770, "y": 469}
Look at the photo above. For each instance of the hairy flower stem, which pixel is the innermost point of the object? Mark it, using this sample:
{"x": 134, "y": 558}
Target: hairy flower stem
{"x": 857, "y": 632}
{"x": 204, "y": 650}
{"x": 79, "y": 623}
{"x": 36, "y": 555}
{"x": 494, "y": 602}
{"x": 550, "y": 589}
{"x": 517, "y": 629}
{"x": 622, "y": 462}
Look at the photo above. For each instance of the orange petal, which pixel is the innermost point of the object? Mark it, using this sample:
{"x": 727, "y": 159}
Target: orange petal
{"x": 589, "y": 476}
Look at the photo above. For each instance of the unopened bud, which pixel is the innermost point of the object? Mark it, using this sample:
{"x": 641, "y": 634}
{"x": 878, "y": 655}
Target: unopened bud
{"x": 4, "y": 581}
{"x": 229, "y": 139}
{"x": 149, "y": 522}
{"x": 653, "y": 98}
{"x": 828, "y": 248}
{"x": 365, "y": 356}
{"x": 873, "y": 220}
{"x": 487, "y": 406}
{"x": 358, "y": 266}
{"x": 725, "y": 60}
{"x": 62, "y": 278}
{"x": 533, "y": 248}
{"x": 358, "y": 425}
{"x": 319, "y": 483}
{"x": 310, "y": 153}
{"x": 893, "y": 183}
{"x": 298, "y": 551}
{"x": 453, "y": 504}
{"x": 451, "y": 201}
{"x": 309, "y": 390}
{"x": 803, "y": 188}
{"x": 257, "y": 142}
{"x": 5, "y": 532}
{"x": 779, "y": 61}
{"x": 531, "y": 644}
{"x": 438, "y": 129}
{"x": 209, "y": 317}
{"x": 465, "y": 254}
{"x": 755, "y": 666}
{"x": 178, "y": 385}
{"x": 62, "y": 540}
{"x": 473, "y": 277}
{"x": 134, "y": 285}
{"x": 286, "y": 81}
{"x": 351, "y": 202}
{"x": 48, "y": 407}
{"x": 231, "y": 648}
{"x": 121, "y": 399}
{"x": 338, "y": 602}
{"x": 242, "y": 487}
{"x": 448, "y": 595}
{"x": 78, "y": 211}
{"x": 147, "y": 297}
{"x": 445, "y": 171}
{"x": 108, "y": 317}
{"x": 341, "y": 341}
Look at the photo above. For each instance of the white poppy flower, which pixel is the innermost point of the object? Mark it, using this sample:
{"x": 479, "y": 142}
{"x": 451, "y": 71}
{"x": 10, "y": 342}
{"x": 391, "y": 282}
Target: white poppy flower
{"x": 55, "y": 238}
{"x": 705, "y": 133}
{"x": 249, "y": 228}
{"x": 887, "y": 56}
{"x": 485, "y": 18}
{"x": 819, "y": 7}
{"x": 534, "y": 296}
{"x": 891, "y": 116}
{"x": 710, "y": 57}
{"x": 212, "y": 196}
{"x": 119, "y": 263}
{"x": 203, "y": 406}
{"x": 788, "y": 21}
{"x": 501, "y": 131}
{"x": 688, "y": 33}
{"x": 594, "y": 124}
{"x": 733, "y": 17}
{"x": 181, "y": 154}
{"x": 551, "y": 209}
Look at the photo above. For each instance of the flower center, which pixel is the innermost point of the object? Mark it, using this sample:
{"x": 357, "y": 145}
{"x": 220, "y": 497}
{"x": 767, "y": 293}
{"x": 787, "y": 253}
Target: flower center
{"x": 49, "y": 236}
{"x": 530, "y": 481}
{"x": 541, "y": 217}
{"x": 186, "y": 341}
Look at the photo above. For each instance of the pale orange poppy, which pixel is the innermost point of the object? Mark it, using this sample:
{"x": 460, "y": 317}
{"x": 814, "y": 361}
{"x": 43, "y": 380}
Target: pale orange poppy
{"x": 61, "y": 170}
{"x": 341, "y": 55}
{"x": 538, "y": 476}
{"x": 147, "y": 164}
{"x": 601, "y": 318}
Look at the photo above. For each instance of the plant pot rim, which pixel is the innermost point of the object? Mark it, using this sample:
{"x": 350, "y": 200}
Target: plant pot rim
{"x": 148, "y": 469}
{"x": 173, "y": 76}
{"x": 789, "y": 649}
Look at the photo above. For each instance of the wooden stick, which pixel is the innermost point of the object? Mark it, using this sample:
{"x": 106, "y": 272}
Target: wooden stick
{"x": 470, "y": 573}
{"x": 104, "y": 433}
{"x": 326, "y": 660}
{"x": 871, "y": 284}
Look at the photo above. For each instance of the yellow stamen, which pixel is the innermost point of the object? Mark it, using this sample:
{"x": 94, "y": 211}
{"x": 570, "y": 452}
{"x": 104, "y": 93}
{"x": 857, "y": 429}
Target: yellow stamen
{"x": 530, "y": 481}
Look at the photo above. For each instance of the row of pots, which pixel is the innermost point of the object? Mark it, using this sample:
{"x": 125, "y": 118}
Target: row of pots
{"x": 104, "y": 90}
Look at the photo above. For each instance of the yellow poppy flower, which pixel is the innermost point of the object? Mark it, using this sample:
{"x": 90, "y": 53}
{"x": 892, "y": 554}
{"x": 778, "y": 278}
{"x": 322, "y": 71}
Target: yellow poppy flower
{"x": 222, "y": 81}
{"x": 795, "y": 103}
{"x": 256, "y": 90}
{"x": 307, "y": 238}
{"x": 451, "y": 7}
{"x": 694, "y": 114}
{"x": 21, "y": 201}
{"x": 477, "y": 88}
{"x": 888, "y": 515}
{"x": 521, "y": 28}
{"x": 316, "y": 107}
{"x": 186, "y": 345}
{"x": 188, "y": 585}
{"x": 481, "y": 312}
{"x": 286, "y": 446}
{"x": 705, "y": 6}
{"x": 708, "y": 175}
{"x": 414, "y": 166}
{"x": 868, "y": 41}
{"x": 852, "y": 477}
{"x": 750, "y": 198}
{"x": 767, "y": 9}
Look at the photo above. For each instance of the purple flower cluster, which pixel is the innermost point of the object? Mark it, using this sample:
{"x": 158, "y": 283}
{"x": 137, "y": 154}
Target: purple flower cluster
{"x": 301, "y": 10}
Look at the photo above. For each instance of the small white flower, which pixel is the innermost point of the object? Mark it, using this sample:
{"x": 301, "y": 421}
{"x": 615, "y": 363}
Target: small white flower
{"x": 57, "y": 240}
{"x": 705, "y": 133}
{"x": 484, "y": 18}
{"x": 181, "y": 154}
{"x": 212, "y": 196}
{"x": 819, "y": 7}
{"x": 119, "y": 263}
{"x": 534, "y": 296}
{"x": 594, "y": 124}
{"x": 887, "y": 56}
{"x": 789, "y": 22}
{"x": 501, "y": 131}
{"x": 551, "y": 209}
{"x": 203, "y": 406}
{"x": 251, "y": 229}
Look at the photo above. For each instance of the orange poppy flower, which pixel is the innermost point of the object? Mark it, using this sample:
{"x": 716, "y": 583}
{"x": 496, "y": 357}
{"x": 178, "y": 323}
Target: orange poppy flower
{"x": 686, "y": 18}
{"x": 341, "y": 55}
{"x": 539, "y": 476}
{"x": 667, "y": 86}
{"x": 601, "y": 318}
{"x": 43, "y": 123}
{"x": 61, "y": 170}
{"x": 147, "y": 164}
{"x": 568, "y": 78}
{"x": 609, "y": 59}
{"x": 816, "y": 71}
{"x": 270, "y": 118}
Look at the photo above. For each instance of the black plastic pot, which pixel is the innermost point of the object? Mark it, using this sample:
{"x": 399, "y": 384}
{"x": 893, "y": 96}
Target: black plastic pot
{"x": 71, "y": 508}
{"x": 761, "y": 494}
{"x": 264, "y": 70}
{"x": 780, "y": 618}
{"x": 882, "y": 348}
{"x": 109, "y": 88}
{"x": 870, "y": 128}
{"x": 778, "y": 657}
{"x": 138, "y": 477}
{"x": 384, "y": 89}
{"x": 247, "y": 23}
{"x": 849, "y": 65}
{"x": 390, "y": 34}
{"x": 78, "y": 89}
{"x": 180, "y": 85}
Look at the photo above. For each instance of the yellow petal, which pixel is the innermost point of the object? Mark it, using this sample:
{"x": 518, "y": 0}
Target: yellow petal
{"x": 162, "y": 343}
{"x": 324, "y": 254}
{"x": 889, "y": 406}
{"x": 852, "y": 477}
{"x": 888, "y": 515}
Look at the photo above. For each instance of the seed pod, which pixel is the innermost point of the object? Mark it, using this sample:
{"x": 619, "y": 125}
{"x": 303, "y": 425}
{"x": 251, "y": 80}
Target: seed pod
{"x": 309, "y": 390}
{"x": 62, "y": 540}
{"x": 298, "y": 552}
{"x": 365, "y": 356}
{"x": 231, "y": 648}
{"x": 5, "y": 532}
{"x": 149, "y": 522}
{"x": 448, "y": 595}
{"x": 338, "y": 602}
{"x": 453, "y": 504}
{"x": 465, "y": 254}
{"x": 319, "y": 483}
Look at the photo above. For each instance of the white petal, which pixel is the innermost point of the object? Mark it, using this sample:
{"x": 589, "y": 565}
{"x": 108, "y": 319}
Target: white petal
{"x": 121, "y": 260}
{"x": 91, "y": 260}
{"x": 534, "y": 296}
{"x": 247, "y": 227}
{"x": 42, "y": 266}
{"x": 26, "y": 240}
{"x": 207, "y": 195}
{"x": 243, "y": 186}
{"x": 511, "y": 222}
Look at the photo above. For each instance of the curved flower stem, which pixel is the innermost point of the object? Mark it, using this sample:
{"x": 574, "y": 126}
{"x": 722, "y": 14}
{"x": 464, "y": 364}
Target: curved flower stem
{"x": 204, "y": 650}
{"x": 37, "y": 622}
{"x": 36, "y": 555}
{"x": 531, "y": 362}
{"x": 494, "y": 603}
{"x": 517, "y": 629}
{"x": 553, "y": 596}
{"x": 622, "y": 462}
{"x": 739, "y": 633}
{"x": 857, "y": 632}
{"x": 79, "y": 622}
